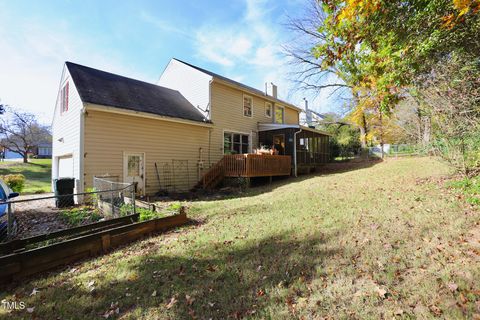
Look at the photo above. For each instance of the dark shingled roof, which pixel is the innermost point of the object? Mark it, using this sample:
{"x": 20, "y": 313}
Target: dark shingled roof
{"x": 239, "y": 84}
{"x": 108, "y": 89}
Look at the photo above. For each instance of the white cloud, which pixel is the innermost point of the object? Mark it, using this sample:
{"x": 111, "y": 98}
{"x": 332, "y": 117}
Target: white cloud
{"x": 250, "y": 45}
{"x": 225, "y": 46}
{"x": 163, "y": 25}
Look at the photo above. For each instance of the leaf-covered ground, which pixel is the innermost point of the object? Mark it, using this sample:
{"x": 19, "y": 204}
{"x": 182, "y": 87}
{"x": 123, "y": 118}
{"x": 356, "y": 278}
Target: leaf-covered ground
{"x": 381, "y": 240}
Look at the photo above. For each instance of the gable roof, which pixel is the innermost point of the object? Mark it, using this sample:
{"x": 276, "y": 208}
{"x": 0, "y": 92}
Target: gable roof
{"x": 238, "y": 84}
{"x": 108, "y": 89}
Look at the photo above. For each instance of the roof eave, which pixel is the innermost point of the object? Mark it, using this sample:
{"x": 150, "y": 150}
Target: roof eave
{"x": 117, "y": 110}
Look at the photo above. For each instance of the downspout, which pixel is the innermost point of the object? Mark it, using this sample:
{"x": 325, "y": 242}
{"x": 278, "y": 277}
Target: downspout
{"x": 81, "y": 156}
{"x": 209, "y": 106}
{"x": 295, "y": 151}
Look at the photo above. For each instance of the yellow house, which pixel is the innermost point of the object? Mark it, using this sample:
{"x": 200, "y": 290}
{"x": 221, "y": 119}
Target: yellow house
{"x": 170, "y": 135}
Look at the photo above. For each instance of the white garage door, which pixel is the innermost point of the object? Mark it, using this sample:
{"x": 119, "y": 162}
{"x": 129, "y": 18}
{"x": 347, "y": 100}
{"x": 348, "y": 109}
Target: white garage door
{"x": 65, "y": 167}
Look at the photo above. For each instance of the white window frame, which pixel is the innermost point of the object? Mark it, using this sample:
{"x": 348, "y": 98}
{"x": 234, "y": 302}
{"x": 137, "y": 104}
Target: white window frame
{"x": 275, "y": 113}
{"x": 243, "y": 106}
{"x": 64, "y": 97}
{"x": 237, "y": 132}
{"x": 268, "y": 103}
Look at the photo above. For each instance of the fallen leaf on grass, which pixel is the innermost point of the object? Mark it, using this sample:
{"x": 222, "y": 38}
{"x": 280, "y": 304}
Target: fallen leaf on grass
{"x": 30, "y": 310}
{"x": 154, "y": 293}
{"x": 435, "y": 310}
{"x": 172, "y": 302}
{"x": 452, "y": 286}
{"x": 381, "y": 292}
{"x": 34, "y": 292}
{"x": 192, "y": 313}
{"x": 189, "y": 299}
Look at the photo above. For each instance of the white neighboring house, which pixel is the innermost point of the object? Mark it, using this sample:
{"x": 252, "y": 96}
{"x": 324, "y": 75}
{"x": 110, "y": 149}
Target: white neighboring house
{"x": 67, "y": 132}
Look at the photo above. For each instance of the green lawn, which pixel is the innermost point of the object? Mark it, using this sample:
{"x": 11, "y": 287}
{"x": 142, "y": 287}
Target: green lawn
{"x": 38, "y": 174}
{"x": 383, "y": 240}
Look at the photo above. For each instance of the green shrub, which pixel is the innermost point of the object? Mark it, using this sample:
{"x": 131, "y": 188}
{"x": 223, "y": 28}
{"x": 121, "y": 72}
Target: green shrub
{"x": 16, "y": 182}
{"x": 146, "y": 214}
{"x": 77, "y": 216}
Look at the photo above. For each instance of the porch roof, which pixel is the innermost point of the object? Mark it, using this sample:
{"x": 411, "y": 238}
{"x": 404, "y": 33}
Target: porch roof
{"x": 277, "y": 126}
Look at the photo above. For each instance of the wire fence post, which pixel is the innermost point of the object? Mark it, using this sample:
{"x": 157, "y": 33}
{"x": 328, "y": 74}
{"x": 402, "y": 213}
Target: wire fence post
{"x": 10, "y": 221}
{"x": 111, "y": 199}
{"x": 133, "y": 201}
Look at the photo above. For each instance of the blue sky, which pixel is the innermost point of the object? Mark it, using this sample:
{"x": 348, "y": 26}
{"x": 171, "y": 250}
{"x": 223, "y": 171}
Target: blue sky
{"x": 240, "y": 39}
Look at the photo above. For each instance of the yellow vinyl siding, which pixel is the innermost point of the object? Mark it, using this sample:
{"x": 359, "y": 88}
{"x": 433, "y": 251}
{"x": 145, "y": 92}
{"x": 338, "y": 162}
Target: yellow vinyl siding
{"x": 291, "y": 116}
{"x": 109, "y": 135}
{"x": 227, "y": 115}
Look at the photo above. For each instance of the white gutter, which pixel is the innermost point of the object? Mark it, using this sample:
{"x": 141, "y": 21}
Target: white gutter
{"x": 295, "y": 151}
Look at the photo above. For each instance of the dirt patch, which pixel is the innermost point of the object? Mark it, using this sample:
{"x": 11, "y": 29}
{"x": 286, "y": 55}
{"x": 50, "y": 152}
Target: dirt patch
{"x": 37, "y": 217}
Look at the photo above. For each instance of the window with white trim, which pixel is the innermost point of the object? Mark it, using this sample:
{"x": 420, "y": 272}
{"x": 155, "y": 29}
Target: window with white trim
{"x": 64, "y": 98}
{"x": 235, "y": 143}
{"x": 268, "y": 109}
{"x": 247, "y": 106}
{"x": 279, "y": 114}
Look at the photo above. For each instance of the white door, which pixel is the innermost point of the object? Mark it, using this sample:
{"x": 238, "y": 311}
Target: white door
{"x": 65, "y": 167}
{"x": 134, "y": 170}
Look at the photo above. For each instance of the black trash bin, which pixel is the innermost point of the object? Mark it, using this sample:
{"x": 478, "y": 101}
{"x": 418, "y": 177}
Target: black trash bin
{"x": 63, "y": 188}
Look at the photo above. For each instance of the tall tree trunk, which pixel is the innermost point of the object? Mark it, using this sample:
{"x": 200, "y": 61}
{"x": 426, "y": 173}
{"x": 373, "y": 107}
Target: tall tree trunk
{"x": 420, "y": 125}
{"x": 426, "y": 125}
{"x": 25, "y": 158}
{"x": 363, "y": 131}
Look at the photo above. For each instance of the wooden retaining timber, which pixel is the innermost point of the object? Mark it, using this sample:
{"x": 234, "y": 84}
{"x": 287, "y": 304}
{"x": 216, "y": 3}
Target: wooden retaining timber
{"x": 21, "y": 244}
{"x": 20, "y": 264}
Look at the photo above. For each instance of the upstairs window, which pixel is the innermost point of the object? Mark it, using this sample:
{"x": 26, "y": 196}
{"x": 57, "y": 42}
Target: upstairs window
{"x": 247, "y": 106}
{"x": 268, "y": 109}
{"x": 64, "y": 98}
{"x": 279, "y": 115}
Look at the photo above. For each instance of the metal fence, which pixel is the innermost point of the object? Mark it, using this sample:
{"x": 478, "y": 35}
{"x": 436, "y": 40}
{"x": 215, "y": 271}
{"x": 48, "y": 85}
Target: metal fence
{"x": 35, "y": 215}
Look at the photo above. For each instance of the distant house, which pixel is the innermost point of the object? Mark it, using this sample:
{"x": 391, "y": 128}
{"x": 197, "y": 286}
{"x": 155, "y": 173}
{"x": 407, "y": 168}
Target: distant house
{"x": 43, "y": 150}
{"x": 7, "y": 154}
{"x": 173, "y": 133}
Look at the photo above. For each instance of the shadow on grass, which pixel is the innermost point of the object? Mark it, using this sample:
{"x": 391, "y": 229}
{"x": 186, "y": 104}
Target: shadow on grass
{"x": 222, "y": 281}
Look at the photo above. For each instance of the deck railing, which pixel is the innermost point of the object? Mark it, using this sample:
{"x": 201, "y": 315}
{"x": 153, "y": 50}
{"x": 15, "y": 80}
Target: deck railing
{"x": 246, "y": 165}
{"x": 215, "y": 173}
{"x": 256, "y": 165}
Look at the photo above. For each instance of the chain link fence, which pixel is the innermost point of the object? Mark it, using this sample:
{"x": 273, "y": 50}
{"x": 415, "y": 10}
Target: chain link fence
{"x": 34, "y": 215}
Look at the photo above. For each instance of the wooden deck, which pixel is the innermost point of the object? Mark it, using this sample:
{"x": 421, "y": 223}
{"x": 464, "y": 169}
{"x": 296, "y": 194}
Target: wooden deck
{"x": 247, "y": 166}
{"x": 256, "y": 165}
